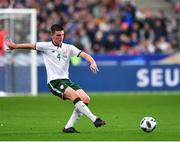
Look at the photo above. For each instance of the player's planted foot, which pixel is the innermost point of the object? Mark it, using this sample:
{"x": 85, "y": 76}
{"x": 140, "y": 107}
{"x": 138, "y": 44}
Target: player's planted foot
{"x": 99, "y": 122}
{"x": 70, "y": 130}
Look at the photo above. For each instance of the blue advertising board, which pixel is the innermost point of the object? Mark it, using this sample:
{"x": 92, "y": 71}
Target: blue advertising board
{"x": 122, "y": 78}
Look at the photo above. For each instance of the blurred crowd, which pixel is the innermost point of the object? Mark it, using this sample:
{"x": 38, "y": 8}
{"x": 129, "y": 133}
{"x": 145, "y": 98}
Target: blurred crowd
{"x": 105, "y": 26}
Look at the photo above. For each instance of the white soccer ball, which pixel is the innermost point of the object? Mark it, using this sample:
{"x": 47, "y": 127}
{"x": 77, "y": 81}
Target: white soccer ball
{"x": 148, "y": 124}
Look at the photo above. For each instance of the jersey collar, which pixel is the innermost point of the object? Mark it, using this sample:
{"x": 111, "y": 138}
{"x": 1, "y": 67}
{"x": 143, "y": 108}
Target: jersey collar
{"x": 57, "y": 45}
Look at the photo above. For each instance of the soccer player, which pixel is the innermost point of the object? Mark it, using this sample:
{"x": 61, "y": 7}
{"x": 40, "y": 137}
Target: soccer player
{"x": 56, "y": 56}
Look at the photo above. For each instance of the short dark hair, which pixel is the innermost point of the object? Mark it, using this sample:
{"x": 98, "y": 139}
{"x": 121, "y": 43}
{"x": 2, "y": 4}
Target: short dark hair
{"x": 56, "y": 27}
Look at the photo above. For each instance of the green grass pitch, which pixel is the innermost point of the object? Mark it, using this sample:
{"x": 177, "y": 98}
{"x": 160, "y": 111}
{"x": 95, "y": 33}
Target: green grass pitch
{"x": 43, "y": 117}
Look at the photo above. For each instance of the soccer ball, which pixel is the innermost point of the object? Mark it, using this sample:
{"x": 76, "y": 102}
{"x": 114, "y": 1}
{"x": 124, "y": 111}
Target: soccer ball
{"x": 148, "y": 124}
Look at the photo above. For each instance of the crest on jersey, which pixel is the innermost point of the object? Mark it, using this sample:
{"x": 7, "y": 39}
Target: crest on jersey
{"x": 64, "y": 52}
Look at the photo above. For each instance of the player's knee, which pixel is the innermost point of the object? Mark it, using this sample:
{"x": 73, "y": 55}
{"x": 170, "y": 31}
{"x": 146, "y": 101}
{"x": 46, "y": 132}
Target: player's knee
{"x": 70, "y": 95}
{"x": 86, "y": 99}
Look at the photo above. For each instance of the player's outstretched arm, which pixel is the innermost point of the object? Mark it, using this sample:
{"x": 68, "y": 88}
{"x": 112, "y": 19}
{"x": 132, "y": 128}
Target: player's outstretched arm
{"x": 93, "y": 65}
{"x": 13, "y": 45}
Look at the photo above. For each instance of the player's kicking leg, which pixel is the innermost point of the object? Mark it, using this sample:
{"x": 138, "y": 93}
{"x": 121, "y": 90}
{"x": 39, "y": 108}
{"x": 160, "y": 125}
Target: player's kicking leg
{"x": 79, "y": 98}
{"x": 85, "y": 98}
{"x": 76, "y": 114}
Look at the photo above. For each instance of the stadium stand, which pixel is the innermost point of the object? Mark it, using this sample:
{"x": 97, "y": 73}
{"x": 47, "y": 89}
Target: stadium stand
{"x": 113, "y": 27}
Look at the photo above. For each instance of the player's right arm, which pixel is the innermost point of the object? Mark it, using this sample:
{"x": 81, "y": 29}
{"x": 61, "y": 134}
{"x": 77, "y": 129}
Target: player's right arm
{"x": 13, "y": 45}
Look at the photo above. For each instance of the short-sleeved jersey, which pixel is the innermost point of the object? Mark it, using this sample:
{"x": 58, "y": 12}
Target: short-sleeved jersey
{"x": 57, "y": 59}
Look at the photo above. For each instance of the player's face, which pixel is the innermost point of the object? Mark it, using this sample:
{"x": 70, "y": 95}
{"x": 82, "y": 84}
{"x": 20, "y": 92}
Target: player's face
{"x": 58, "y": 37}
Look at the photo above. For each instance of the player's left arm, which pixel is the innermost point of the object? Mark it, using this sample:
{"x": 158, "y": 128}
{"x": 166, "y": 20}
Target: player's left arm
{"x": 88, "y": 58}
